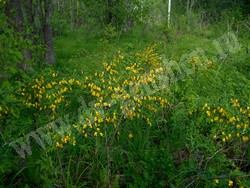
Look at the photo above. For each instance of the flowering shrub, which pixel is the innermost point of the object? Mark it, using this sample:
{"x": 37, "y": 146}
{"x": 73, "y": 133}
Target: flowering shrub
{"x": 120, "y": 93}
{"x": 227, "y": 127}
{"x": 49, "y": 95}
{"x": 231, "y": 123}
{"x": 123, "y": 93}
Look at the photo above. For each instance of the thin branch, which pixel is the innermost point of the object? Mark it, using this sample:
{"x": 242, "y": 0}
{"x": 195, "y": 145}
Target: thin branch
{"x": 60, "y": 162}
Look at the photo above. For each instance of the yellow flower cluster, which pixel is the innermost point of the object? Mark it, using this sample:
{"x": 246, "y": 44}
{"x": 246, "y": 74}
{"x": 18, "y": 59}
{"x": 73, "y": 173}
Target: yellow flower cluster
{"x": 235, "y": 102}
{"x": 239, "y": 182}
{"x": 195, "y": 61}
{"x": 4, "y": 111}
{"x": 110, "y": 68}
{"x": 232, "y": 124}
{"x": 230, "y": 183}
{"x": 94, "y": 90}
{"x": 202, "y": 65}
{"x": 48, "y": 94}
{"x": 132, "y": 68}
{"x": 120, "y": 93}
{"x": 65, "y": 140}
{"x": 130, "y": 135}
{"x": 148, "y": 57}
{"x": 216, "y": 181}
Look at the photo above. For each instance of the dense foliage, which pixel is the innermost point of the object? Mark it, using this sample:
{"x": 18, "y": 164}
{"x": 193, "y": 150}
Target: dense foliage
{"x": 129, "y": 102}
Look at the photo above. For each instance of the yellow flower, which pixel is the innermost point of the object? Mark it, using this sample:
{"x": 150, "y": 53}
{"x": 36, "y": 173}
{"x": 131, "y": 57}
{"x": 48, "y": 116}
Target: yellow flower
{"x": 216, "y": 118}
{"x": 245, "y": 138}
{"x": 232, "y": 119}
{"x": 130, "y": 135}
{"x": 97, "y": 105}
{"x": 230, "y": 183}
{"x": 216, "y": 181}
{"x": 65, "y": 140}
{"x": 58, "y": 145}
{"x": 223, "y": 140}
{"x": 95, "y": 134}
{"x": 245, "y": 125}
{"x": 53, "y": 83}
{"x": 208, "y": 113}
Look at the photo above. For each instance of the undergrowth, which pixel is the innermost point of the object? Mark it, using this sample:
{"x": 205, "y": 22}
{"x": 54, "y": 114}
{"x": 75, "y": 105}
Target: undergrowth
{"x": 119, "y": 114}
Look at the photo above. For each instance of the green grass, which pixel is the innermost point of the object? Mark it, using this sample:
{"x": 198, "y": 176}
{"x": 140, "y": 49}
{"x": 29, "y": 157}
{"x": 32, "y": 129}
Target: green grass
{"x": 177, "y": 151}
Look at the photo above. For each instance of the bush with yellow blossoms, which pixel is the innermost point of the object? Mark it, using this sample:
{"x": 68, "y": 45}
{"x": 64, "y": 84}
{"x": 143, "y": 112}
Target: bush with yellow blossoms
{"x": 227, "y": 127}
{"x": 106, "y": 108}
{"x": 123, "y": 93}
{"x": 50, "y": 94}
{"x": 230, "y": 123}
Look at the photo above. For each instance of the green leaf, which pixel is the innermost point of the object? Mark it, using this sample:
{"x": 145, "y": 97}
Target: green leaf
{"x": 19, "y": 55}
{"x": 13, "y": 70}
{"x": 146, "y": 175}
{"x": 163, "y": 183}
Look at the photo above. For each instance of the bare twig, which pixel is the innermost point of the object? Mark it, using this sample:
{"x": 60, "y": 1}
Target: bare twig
{"x": 60, "y": 162}
{"x": 108, "y": 145}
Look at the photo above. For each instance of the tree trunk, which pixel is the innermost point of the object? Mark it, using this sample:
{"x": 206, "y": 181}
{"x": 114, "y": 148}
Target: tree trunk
{"x": 48, "y": 35}
{"x": 109, "y": 12}
{"x": 72, "y": 14}
{"x": 17, "y": 21}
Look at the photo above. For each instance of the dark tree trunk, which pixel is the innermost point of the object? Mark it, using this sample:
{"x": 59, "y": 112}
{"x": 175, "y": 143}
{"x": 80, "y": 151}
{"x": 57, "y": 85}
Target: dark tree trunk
{"x": 22, "y": 15}
{"x": 28, "y": 12}
{"x": 48, "y": 33}
{"x": 109, "y": 12}
{"x": 17, "y": 21}
{"x": 14, "y": 12}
